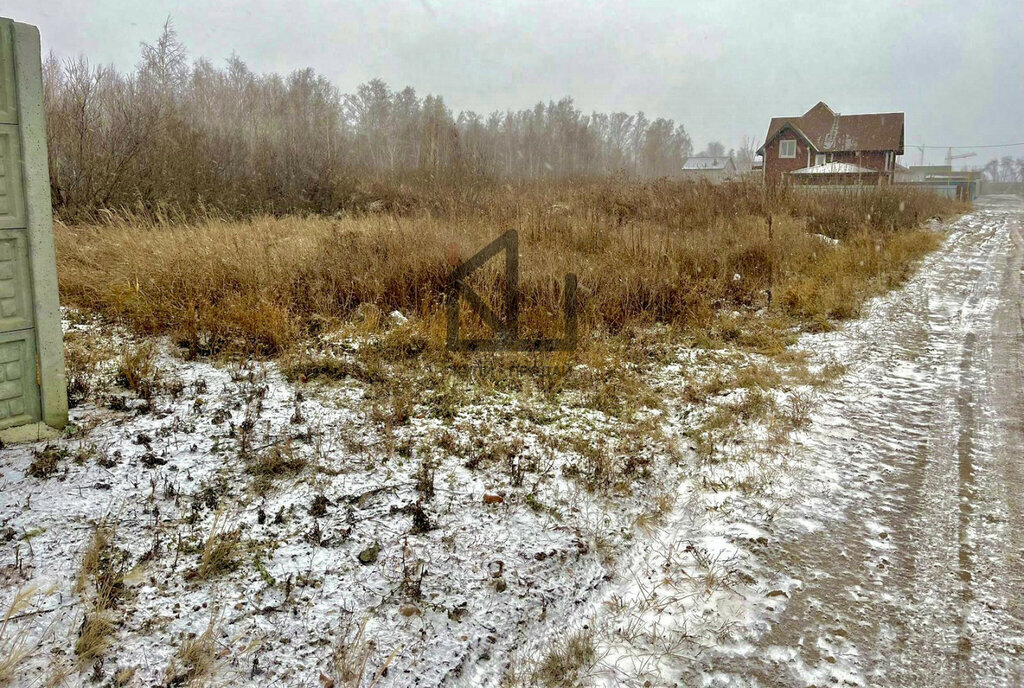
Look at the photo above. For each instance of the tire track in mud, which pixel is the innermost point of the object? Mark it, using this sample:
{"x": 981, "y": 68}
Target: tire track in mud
{"x": 916, "y": 576}
{"x": 965, "y": 446}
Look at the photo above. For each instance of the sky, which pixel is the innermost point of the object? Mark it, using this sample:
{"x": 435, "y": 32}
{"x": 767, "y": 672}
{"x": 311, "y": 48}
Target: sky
{"x": 721, "y": 68}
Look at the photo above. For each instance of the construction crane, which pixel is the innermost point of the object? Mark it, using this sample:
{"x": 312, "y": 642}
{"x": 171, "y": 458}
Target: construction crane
{"x": 950, "y": 157}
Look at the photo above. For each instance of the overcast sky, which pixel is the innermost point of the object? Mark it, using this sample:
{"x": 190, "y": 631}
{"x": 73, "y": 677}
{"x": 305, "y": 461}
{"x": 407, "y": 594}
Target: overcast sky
{"x": 720, "y": 68}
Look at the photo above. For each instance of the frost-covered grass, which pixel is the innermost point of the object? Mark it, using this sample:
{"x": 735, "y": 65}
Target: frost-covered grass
{"x": 364, "y": 507}
{"x": 223, "y": 523}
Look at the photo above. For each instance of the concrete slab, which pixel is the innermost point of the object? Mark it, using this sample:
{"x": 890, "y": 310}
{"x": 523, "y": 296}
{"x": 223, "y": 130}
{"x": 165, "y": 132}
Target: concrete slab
{"x": 33, "y": 432}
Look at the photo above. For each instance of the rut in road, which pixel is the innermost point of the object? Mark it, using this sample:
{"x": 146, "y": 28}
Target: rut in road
{"x": 917, "y": 577}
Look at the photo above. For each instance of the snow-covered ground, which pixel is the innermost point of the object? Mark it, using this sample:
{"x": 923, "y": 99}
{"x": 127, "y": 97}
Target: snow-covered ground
{"x": 519, "y": 538}
{"x": 440, "y": 551}
{"x": 912, "y": 570}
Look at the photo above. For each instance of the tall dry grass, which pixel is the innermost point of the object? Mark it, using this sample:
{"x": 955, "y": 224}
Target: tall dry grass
{"x": 643, "y": 253}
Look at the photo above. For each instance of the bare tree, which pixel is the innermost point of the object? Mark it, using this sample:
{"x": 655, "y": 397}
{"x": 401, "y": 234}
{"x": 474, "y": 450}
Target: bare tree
{"x": 714, "y": 149}
{"x": 174, "y": 134}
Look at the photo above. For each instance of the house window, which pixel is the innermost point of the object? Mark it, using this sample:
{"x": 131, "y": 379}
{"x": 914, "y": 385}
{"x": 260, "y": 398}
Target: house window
{"x": 819, "y": 158}
{"x": 787, "y": 149}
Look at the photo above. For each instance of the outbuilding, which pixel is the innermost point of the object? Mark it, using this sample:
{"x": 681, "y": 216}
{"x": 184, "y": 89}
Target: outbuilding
{"x": 714, "y": 169}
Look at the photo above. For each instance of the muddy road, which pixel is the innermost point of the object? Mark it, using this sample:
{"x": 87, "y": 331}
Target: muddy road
{"x": 916, "y": 577}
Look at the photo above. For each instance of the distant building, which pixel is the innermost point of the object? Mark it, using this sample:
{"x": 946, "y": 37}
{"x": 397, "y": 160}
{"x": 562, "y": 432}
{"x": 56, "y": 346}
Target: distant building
{"x": 743, "y": 167}
{"x": 714, "y": 169}
{"x": 920, "y": 173}
{"x": 942, "y": 179}
{"x": 821, "y": 136}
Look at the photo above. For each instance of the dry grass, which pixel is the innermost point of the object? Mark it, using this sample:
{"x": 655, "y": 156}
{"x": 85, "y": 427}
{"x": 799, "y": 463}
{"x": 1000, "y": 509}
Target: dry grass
{"x": 273, "y": 463}
{"x": 351, "y": 663}
{"x": 101, "y": 578}
{"x": 15, "y": 646}
{"x": 93, "y": 637}
{"x": 104, "y": 568}
{"x": 351, "y": 652}
{"x": 221, "y": 551}
{"x": 196, "y": 659}
{"x": 657, "y": 252}
{"x": 137, "y": 370}
{"x": 566, "y": 663}
{"x": 84, "y": 356}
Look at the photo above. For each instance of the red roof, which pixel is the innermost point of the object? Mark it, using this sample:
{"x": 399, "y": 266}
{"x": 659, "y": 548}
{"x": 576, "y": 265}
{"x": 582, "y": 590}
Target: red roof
{"x": 826, "y": 130}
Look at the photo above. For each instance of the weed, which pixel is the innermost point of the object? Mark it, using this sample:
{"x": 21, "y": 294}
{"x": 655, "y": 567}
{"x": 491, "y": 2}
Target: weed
{"x": 319, "y": 506}
{"x": 46, "y": 461}
{"x": 243, "y": 293}
{"x": 567, "y": 662}
{"x": 196, "y": 658}
{"x": 446, "y": 399}
{"x": 425, "y": 478}
{"x": 273, "y": 463}
{"x": 594, "y": 466}
{"x": 306, "y": 368}
{"x": 137, "y": 370}
{"x": 798, "y": 411}
{"x": 83, "y": 355}
{"x": 102, "y": 578}
{"x": 15, "y": 646}
{"x": 220, "y": 553}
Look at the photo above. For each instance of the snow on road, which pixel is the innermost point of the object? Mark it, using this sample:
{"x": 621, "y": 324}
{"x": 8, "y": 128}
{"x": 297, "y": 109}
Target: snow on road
{"x": 916, "y": 575}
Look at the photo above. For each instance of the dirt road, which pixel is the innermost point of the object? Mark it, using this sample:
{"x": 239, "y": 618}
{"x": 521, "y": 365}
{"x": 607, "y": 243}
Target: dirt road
{"x": 916, "y": 577}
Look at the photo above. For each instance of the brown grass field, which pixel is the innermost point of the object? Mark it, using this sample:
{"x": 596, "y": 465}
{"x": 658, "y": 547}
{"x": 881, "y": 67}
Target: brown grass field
{"x": 658, "y": 252}
{"x": 728, "y": 270}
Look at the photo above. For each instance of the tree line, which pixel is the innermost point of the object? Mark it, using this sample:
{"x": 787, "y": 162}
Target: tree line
{"x": 1004, "y": 169}
{"x": 180, "y": 134}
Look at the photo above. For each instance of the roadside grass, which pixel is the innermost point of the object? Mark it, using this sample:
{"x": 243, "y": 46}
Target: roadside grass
{"x": 660, "y": 265}
{"x": 644, "y": 253}
{"x": 662, "y": 268}
{"x": 407, "y": 377}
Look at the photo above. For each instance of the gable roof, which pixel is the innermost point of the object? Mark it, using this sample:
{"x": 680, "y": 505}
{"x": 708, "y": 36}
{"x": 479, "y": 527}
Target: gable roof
{"x": 826, "y": 130}
{"x": 699, "y": 162}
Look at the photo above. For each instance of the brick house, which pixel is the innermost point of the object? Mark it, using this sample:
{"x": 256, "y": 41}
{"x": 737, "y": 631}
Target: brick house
{"x": 821, "y": 136}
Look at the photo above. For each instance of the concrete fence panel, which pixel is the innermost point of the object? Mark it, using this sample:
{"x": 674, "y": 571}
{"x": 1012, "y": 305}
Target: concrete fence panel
{"x": 32, "y": 381}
